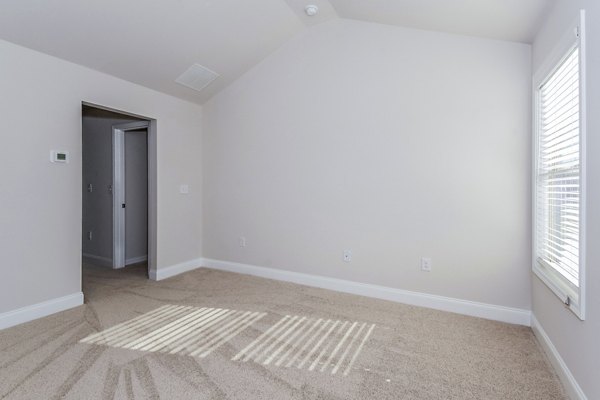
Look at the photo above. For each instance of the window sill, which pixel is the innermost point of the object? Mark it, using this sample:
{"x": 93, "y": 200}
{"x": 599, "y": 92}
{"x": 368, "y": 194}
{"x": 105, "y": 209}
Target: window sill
{"x": 561, "y": 288}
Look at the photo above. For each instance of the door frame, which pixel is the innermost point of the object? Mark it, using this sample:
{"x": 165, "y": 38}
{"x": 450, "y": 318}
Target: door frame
{"x": 118, "y": 136}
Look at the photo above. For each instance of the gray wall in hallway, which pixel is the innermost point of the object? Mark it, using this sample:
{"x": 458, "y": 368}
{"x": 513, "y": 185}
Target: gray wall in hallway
{"x": 97, "y": 171}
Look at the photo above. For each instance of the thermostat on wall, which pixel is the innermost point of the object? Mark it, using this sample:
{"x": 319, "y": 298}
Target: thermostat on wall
{"x": 58, "y": 156}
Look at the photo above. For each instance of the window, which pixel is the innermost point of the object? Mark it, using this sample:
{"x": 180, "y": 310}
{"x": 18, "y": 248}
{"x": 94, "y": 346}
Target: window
{"x": 559, "y": 172}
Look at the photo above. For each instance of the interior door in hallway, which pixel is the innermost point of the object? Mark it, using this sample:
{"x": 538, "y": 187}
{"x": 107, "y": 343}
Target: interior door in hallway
{"x": 136, "y": 196}
{"x": 130, "y": 194}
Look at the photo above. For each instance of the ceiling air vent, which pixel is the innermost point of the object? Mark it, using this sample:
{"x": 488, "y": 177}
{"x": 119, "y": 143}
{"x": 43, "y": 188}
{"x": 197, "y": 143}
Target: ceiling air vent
{"x": 197, "y": 77}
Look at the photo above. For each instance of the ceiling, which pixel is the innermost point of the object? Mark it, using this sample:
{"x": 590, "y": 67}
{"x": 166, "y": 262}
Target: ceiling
{"x": 512, "y": 20}
{"x": 153, "y": 42}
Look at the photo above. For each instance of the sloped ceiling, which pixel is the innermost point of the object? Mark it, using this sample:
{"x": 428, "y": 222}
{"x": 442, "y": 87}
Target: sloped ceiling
{"x": 152, "y": 42}
{"x": 512, "y": 20}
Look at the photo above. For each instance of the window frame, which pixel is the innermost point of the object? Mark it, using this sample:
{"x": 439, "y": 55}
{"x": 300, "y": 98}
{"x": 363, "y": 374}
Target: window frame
{"x": 571, "y": 295}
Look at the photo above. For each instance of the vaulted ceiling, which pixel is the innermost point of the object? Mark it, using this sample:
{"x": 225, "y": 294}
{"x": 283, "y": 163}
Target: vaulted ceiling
{"x": 153, "y": 42}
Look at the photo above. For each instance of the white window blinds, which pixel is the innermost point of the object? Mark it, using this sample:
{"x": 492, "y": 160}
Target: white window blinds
{"x": 559, "y": 170}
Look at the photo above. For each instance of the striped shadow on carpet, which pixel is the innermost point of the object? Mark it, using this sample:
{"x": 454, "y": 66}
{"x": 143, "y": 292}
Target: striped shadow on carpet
{"x": 315, "y": 344}
{"x": 176, "y": 329}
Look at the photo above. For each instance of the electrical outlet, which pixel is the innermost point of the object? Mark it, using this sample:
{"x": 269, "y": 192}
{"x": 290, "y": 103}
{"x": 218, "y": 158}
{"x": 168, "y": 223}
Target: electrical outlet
{"x": 426, "y": 264}
{"x": 242, "y": 241}
{"x": 347, "y": 256}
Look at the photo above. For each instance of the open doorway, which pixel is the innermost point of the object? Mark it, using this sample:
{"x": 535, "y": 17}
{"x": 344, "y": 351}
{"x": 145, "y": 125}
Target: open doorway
{"x": 117, "y": 190}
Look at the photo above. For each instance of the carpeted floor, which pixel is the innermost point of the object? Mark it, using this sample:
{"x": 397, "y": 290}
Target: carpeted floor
{"x": 209, "y": 334}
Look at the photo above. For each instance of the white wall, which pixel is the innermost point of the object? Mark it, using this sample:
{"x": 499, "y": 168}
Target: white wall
{"x": 40, "y": 109}
{"x": 97, "y": 170}
{"x": 578, "y": 341}
{"x": 394, "y": 143}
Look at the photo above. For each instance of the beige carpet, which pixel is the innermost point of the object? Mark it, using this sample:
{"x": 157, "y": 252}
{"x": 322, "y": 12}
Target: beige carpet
{"x": 208, "y": 334}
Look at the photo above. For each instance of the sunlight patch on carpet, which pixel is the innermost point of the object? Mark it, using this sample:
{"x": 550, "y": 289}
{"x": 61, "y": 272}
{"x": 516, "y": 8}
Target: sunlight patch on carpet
{"x": 177, "y": 329}
{"x": 315, "y": 344}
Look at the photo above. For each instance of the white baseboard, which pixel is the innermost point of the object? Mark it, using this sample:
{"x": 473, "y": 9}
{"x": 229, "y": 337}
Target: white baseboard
{"x": 167, "y": 272}
{"x": 465, "y": 307}
{"x": 39, "y": 310}
{"x": 135, "y": 260}
{"x": 572, "y": 388}
{"x": 471, "y": 308}
{"x": 98, "y": 260}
